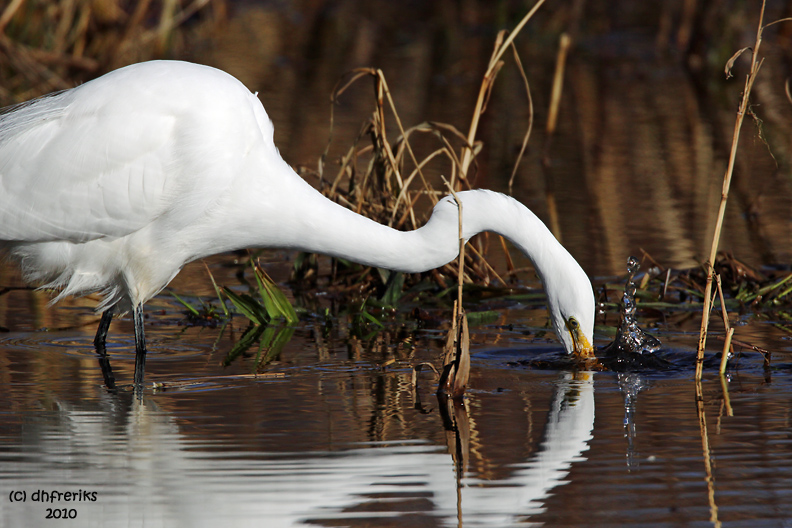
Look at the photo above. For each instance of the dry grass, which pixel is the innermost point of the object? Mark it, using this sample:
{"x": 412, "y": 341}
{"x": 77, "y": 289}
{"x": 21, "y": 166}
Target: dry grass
{"x": 48, "y": 46}
{"x": 384, "y": 180}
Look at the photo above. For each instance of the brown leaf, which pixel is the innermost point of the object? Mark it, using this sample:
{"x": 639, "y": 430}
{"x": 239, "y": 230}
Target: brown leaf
{"x": 730, "y": 62}
{"x": 456, "y": 362}
{"x": 462, "y": 374}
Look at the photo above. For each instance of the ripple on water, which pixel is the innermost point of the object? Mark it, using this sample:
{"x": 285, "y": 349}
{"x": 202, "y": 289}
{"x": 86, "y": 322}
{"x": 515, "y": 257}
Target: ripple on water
{"x": 82, "y": 345}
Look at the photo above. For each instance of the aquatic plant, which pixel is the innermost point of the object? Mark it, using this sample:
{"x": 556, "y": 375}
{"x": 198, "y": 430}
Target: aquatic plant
{"x": 265, "y": 302}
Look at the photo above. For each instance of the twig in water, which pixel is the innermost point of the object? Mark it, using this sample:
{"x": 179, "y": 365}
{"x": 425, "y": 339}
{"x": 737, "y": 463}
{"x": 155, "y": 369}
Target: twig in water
{"x": 766, "y": 354}
{"x": 456, "y": 363}
{"x": 729, "y": 330}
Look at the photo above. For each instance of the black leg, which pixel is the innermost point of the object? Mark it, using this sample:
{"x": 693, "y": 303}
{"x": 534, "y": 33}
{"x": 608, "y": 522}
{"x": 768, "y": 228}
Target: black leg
{"x": 99, "y": 342}
{"x": 101, "y": 333}
{"x": 140, "y": 346}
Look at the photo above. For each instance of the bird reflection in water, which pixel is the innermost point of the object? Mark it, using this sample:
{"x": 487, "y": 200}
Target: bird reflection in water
{"x": 505, "y": 502}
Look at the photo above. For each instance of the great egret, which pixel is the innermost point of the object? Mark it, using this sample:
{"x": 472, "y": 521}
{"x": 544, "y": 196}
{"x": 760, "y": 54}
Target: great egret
{"x": 115, "y": 185}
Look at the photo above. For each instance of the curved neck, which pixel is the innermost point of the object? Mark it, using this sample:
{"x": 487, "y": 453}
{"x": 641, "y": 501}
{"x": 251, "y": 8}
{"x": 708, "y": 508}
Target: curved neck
{"x": 331, "y": 229}
{"x": 286, "y": 212}
{"x": 328, "y": 228}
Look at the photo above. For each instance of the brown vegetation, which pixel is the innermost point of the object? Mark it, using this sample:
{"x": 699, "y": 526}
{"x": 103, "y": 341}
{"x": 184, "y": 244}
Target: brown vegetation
{"x": 48, "y": 46}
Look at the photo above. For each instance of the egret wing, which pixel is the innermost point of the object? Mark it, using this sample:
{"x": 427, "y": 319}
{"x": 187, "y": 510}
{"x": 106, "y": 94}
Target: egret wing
{"x": 77, "y": 172}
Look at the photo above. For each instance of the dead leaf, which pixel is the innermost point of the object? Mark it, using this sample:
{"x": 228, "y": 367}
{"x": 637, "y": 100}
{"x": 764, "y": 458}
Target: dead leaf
{"x": 730, "y": 62}
{"x": 456, "y": 361}
{"x": 462, "y": 374}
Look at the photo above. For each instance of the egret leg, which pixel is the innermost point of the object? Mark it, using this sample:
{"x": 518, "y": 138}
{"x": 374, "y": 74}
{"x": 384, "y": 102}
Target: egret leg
{"x": 101, "y": 333}
{"x": 140, "y": 346}
{"x": 99, "y": 342}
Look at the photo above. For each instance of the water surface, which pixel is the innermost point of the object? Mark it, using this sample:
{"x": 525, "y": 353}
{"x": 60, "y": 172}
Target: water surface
{"x": 332, "y": 434}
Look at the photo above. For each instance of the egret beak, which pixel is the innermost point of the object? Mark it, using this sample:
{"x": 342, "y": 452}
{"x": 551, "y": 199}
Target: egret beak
{"x": 583, "y": 349}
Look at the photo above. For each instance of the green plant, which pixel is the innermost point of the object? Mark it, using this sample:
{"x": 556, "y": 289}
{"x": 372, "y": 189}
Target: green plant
{"x": 269, "y": 304}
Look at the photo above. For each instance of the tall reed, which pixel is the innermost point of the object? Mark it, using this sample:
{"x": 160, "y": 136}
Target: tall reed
{"x": 744, "y": 108}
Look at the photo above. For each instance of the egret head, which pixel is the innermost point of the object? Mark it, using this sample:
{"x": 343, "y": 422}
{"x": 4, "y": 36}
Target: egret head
{"x": 570, "y": 300}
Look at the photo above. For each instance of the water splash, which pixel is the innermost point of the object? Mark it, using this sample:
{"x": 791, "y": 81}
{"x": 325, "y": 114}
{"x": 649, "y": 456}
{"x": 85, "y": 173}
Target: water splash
{"x": 630, "y": 338}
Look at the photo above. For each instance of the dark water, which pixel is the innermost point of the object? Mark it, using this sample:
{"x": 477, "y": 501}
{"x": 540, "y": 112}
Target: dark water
{"x": 331, "y": 433}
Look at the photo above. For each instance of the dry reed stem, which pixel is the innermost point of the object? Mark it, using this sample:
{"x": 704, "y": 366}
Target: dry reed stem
{"x": 486, "y": 83}
{"x": 729, "y": 329}
{"x": 456, "y": 359}
{"x": 726, "y": 349}
{"x": 382, "y": 93}
{"x": 558, "y": 83}
{"x": 527, "y": 136}
{"x": 8, "y": 13}
{"x": 726, "y": 400}
{"x": 165, "y": 385}
{"x": 384, "y": 84}
{"x": 552, "y": 119}
{"x": 436, "y": 129}
{"x": 487, "y": 265}
{"x": 743, "y": 109}
{"x": 456, "y": 363}
{"x": 485, "y": 91}
{"x": 382, "y": 88}
{"x": 461, "y": 257}
{"x": 765, "y": 353}
{"x": 165, "y": 24}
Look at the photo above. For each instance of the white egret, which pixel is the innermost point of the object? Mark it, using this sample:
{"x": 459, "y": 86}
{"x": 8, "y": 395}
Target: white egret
{"x": 115, "y": 185}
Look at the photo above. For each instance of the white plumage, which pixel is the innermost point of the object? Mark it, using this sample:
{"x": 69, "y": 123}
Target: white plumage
{"x": 115, "y": 185}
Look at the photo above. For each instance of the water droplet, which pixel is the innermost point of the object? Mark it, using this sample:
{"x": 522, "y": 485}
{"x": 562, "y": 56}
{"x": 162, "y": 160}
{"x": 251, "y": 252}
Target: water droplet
{"x": 631, "y": 339}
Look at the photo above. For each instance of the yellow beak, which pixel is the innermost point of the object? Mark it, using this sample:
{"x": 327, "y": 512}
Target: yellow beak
{"x": 583, "y": 349}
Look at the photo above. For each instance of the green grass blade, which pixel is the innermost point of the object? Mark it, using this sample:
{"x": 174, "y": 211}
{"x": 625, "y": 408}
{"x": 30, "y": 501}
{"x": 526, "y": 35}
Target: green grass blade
{"x": 370, "y": 318}
{"x": 247, "y": 306}
{"x": 189, "y": 307}
{"x": 218, "y": 292}
{"x": 393, "y": 292}
{"x": 275, "y": 302}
